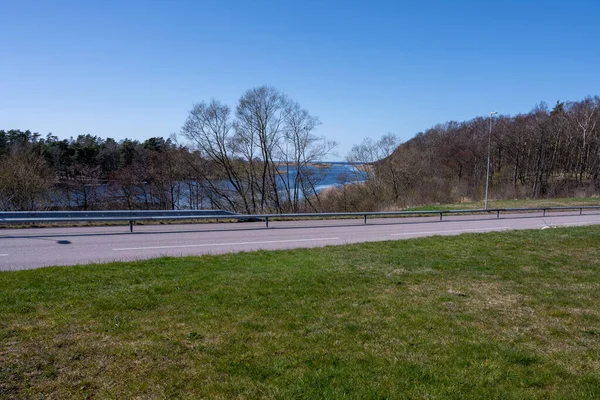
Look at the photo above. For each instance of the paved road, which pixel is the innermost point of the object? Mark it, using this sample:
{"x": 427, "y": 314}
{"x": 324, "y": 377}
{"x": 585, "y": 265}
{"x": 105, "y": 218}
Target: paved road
{"x": 34, "y": 248}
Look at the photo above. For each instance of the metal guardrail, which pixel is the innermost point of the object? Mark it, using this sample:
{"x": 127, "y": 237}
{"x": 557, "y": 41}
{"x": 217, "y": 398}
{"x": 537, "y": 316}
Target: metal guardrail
{"x": 441, "y": 213}
{"x": 107, "y": 216}
{"x": 132, "y": 216}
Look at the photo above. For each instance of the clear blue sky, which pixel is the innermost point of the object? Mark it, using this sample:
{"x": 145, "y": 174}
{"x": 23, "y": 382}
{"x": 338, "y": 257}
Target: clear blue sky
{"x": 124, "y": 68}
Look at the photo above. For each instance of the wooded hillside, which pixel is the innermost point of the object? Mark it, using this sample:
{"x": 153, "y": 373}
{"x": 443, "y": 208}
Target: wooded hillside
{"x": 543, "y": 153}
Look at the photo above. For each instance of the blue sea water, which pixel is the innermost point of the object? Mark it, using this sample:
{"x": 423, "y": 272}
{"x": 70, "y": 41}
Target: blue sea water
{"x": 337, "y": 174}
{"x": 326, "y": 175}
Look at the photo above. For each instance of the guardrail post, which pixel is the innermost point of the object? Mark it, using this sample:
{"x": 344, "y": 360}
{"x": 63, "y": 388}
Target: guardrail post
{"x": 441, "y": 216}
{"x": 130, "y": 226}
{"x": 544, "y": 212}
{"x": 580, "y": 211}
{"x": 497, "y": 213}
{"x": 267, "y": 221}
{"x": 365, "y": 219}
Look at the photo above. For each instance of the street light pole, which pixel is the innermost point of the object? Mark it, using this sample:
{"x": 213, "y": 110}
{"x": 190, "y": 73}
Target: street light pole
{"x": 487, "y": 177}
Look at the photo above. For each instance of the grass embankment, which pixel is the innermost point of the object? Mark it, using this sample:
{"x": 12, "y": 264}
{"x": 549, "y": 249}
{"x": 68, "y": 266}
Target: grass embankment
{"x": 501, "y": 315}
{"x": 523, "y": 203}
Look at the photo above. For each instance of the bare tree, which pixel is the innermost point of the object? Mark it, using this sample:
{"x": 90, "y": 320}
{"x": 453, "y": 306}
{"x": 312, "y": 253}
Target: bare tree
{"x": 585, "y": 114}
{"x": 252, "y": 153}
{"x": 374, "y": 165}
{"x": 299, "y": 149}
{"x": 260, "y": 115}
{"x": 209, "y": 127}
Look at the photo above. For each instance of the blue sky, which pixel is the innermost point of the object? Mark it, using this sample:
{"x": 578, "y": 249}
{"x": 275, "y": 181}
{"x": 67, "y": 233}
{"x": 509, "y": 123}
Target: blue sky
{"x": 125, "y": 68}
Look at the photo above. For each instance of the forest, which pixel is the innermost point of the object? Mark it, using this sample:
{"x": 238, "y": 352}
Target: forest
{"x": 255, "y": 157}
{"x": 260, "y": 156}
{"x": 545, "y": 153}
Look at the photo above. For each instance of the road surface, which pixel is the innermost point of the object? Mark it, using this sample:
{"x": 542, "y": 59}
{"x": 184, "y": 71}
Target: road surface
{"x": 39, "y": 247}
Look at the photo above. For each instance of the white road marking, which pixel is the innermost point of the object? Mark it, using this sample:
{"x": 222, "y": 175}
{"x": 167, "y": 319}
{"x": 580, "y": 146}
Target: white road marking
{"x": 223, "y": 244}
{"x": 3, "y": 255}
{"x": 452, "y": 231}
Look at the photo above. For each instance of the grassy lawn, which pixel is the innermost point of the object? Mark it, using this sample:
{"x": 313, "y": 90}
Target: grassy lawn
{"x": 512, "y": 315}
{"x": 523, "y": 203}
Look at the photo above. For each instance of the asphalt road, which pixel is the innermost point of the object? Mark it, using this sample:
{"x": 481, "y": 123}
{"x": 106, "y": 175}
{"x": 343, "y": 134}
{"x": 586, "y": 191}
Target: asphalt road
{"x": 34, "y": 248}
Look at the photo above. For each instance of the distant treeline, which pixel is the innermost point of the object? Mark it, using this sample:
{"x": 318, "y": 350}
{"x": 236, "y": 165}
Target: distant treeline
{"x": 257, "y": 157}
{"x": 254, "y": 160}
{"x": 544, "y": 153}
{"x": 89, "y": 172}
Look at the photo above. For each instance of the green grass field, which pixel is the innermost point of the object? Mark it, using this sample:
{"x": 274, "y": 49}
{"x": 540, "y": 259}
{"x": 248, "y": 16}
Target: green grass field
{"x": 512, "y": 315}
